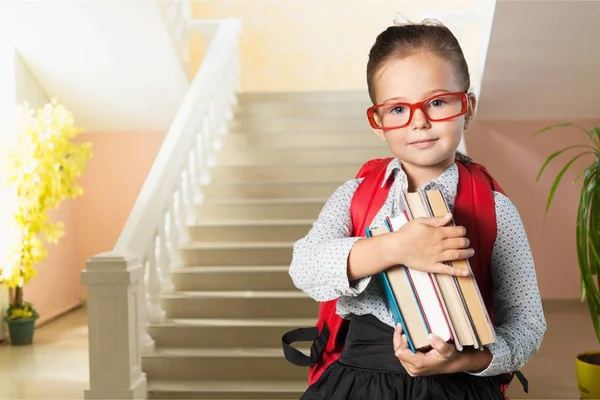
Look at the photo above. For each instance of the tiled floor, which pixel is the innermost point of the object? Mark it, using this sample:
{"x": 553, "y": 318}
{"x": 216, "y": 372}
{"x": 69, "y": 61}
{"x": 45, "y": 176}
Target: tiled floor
{"x": 56, "y": 366}
{"x": 551, "y": 372}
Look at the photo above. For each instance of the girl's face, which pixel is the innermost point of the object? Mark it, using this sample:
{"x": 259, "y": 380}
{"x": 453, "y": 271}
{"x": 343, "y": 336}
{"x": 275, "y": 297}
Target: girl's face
{"x": 412, "y": 79}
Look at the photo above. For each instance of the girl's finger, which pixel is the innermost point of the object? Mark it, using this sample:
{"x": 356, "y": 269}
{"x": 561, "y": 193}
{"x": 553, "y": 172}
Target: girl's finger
{"x": 397, "y": 340}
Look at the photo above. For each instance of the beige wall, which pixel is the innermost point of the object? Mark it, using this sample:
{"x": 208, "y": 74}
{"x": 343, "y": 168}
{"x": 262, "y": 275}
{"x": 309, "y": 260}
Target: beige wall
{"x": 54, "y": 290}
{"x": 323, "y": 45}
{"x": 94, "y": 221}
{"x": 112, "y": 182}
{"x": 514, "y": 157}
{"x": 114, "y": 176}
{"x": 27, "y": 88}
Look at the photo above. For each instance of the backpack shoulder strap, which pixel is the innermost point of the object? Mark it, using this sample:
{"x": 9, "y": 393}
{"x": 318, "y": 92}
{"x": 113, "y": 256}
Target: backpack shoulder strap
{"x": 474, "y": 208}
{"x": 327, "y": 336}
{"x": 370, "y": 194}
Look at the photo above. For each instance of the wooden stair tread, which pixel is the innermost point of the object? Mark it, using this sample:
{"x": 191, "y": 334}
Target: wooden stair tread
{"x": 249, "y": 352}
{"x": 235, "y": 245}
{"x": 253, "y": 222}
{"x": 237, "y": 323}
{"x": 271, "y": 201}
{"x": 228, "y": 386}
{"x": 231, "y": 270}
{"x": 238, "y": 294}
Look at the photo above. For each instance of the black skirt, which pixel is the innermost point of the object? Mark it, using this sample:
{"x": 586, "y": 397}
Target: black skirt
{"x": 367, "y": 369}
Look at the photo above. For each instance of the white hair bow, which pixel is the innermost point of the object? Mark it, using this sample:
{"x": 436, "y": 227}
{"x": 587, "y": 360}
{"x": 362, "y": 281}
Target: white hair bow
{"x": 401, "y": 20}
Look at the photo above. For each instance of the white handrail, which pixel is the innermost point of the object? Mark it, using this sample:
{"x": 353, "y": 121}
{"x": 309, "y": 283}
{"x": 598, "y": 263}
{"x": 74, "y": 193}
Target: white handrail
{"x": 177, "y": 15}
{"x": 157, "y": 191}
{"x": 124, "y": 286}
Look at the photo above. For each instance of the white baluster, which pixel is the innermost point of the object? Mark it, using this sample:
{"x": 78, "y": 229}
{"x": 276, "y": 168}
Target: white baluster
{"x": 206, "y": 147}
{"x": 171, "y": 14}
{"x": 233, "y": 84}
{"x": 210, "y": 134}
{"x": 230, "y": 96}
{"x": 164, "y": 258}
{"x": 201, "y": 154}
{"x": 194, "y": 156}
{"x": 186, "y": 10}
{"x": 225, "y": 116}
{"x": 190, "y": 200}
{"x": 218, "y": 112}
{"x": 181, "y": 220}
{"x": 176, "y": 261}
{"x": 215, "y": 131}
{"x": 154, "y": 286}
{"x": 228, "y": 87}
{"x": 146, "y": 341}
{"x": 177, "y": 13}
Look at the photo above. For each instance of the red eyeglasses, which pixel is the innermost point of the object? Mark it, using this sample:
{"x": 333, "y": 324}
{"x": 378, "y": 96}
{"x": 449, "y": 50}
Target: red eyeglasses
{"x": 441, "y": 107}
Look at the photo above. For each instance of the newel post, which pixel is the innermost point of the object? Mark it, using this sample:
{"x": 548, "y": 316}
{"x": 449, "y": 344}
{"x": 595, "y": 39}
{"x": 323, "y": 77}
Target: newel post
{"x": 116, "y": 303}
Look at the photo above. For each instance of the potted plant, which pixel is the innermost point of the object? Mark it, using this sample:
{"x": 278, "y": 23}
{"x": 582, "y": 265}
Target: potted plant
{"x": 588, "y": 246}
{"x": 43, "y": 166}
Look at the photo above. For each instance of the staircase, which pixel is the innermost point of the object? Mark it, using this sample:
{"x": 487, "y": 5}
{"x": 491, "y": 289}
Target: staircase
{"x": 233, "y": 298}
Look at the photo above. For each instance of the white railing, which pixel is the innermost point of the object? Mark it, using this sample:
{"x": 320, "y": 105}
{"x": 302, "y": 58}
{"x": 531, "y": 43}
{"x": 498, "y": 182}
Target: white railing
{"x": 124, "y": 286}
{"x": 177, "y": 15}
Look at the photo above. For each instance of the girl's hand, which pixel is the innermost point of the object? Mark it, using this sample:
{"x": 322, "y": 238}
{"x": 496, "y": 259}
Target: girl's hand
{"x": 424, "y": 244}
{"x": 441, "y": 359}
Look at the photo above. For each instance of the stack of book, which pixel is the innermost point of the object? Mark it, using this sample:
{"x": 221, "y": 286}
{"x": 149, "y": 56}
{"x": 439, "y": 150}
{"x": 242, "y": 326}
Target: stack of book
{"x": 448, "y": 306}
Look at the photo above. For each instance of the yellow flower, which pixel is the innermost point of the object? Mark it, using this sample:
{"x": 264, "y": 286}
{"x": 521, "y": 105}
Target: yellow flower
{"x": 43, "y": 169}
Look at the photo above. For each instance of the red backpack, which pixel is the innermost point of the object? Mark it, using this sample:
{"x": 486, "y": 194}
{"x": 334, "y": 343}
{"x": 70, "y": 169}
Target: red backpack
{"x": 474, "y": 208}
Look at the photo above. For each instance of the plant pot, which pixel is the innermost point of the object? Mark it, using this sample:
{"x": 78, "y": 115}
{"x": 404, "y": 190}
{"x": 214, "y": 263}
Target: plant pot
{"x": 21, "y": 330}
{"x": 587, "y": 366}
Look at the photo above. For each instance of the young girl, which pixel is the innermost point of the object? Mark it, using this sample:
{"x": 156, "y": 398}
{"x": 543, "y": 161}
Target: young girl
{"x": 410, "y": 64}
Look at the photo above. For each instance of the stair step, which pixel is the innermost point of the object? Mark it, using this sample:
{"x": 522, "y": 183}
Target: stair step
{"x": 249, "y": 230}
{"x": 232, "y": 278}
{"x": 224, "y": 333}
{"x": 293, "y": 155}
{"x": 239, "y": 304}
{"x": 257, "y": 209}
{"x": 231, "y": 390}
{"x": 266, "y": 190}
{"x": 218, "y": 364}
{"x": 237, "y": 253}
{"x": 339, "y": 111}
{"x": 311, "y": 140}
{"x": 291, "y": 173}
{"x": 300, "y": 98}
{"x": 298, "y": 125}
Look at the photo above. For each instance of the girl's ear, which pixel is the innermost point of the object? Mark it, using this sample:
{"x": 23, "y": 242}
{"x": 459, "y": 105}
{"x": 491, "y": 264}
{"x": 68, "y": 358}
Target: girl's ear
{"x": 472, "y": 103}
{"x": 380, "y": 134}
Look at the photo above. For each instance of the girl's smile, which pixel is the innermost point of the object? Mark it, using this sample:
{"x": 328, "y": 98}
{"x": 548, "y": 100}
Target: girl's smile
{"x": 425, "y": 143}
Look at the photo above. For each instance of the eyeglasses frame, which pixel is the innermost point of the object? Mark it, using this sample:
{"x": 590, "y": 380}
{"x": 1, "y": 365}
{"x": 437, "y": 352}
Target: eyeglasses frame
{"x": 419, "y": 105}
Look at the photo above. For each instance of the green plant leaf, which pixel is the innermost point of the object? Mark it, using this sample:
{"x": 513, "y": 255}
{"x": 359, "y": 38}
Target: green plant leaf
{"x": 595, "y": 318}
{"x": 587, "y": 170}
{"x": 594, "y": 226}
{"x": 587, "y": 216}
{"x": 556, "y": 154}
{"x": 596, "y": 130}
{"x": 593, "y": 222}
{"x": 559, "y": 178}
{"x": 587, "y": 229}
{"x": 561, "y": 125}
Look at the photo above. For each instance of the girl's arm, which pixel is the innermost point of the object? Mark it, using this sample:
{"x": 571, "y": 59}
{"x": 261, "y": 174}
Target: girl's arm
{"x": 319, "y": 264}
{"x": 328, "y": 262}
{"x": 520, "y": 322}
